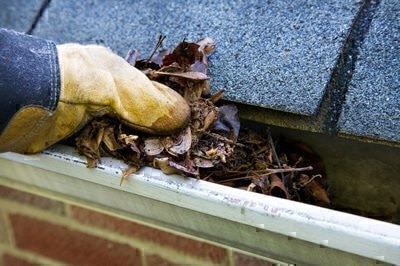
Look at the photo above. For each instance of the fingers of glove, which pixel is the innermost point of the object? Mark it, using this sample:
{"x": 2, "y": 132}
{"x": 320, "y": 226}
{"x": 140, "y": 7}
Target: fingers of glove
{"x": 94, "y": 76}
{"x": 174, "y": 109}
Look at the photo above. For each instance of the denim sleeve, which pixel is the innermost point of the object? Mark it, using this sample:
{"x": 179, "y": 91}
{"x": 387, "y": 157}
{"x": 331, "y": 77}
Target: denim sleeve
{"x": 29, "y": 74}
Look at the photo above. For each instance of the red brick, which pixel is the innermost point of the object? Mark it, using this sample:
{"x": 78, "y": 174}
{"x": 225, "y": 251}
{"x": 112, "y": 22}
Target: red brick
{"x": 185, "y": 245}
{"x": 32, "y": 200}
{"x": 3, "y": 229}
{"x": 11, "y": 260}
{"x": 69, "y": 246}
{"x": 159, "y": 261}
{"x": 240, "y": 259}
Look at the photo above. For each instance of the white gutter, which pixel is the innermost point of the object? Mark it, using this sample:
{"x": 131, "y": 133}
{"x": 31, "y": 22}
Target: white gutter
{"x": 269, "y": 226}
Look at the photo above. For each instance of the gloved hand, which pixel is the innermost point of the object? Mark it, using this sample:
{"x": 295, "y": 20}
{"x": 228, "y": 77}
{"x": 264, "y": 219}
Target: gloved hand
{"x": 95, "y": 82}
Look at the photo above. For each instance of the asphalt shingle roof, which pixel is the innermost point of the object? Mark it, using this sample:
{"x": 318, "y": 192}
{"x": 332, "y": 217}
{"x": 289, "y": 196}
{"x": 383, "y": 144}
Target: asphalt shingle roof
{"x": 372, "y": 107}
{"x": 276, "y": 54}
{"x": 18, "y": 14}
{"x": 278, "y": 59}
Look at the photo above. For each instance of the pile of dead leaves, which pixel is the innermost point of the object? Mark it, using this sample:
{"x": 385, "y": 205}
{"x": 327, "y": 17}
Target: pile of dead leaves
{"x": 212, "y": 147}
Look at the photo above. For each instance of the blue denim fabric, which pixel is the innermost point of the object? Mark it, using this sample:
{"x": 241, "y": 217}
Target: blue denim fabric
{"x": 29, "y": 74}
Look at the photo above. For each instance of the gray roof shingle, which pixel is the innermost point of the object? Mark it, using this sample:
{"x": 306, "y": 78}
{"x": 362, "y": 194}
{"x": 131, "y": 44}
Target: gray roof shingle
{"x": 273, "y": 54}
{"x": 274, "y": 58}
{"x": 372, "y": 107}
{"x": 18, "y": 14}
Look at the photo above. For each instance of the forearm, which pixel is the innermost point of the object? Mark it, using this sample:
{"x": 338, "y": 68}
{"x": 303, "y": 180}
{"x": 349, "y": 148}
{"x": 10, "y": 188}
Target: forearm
{"x": 29, "y": 74}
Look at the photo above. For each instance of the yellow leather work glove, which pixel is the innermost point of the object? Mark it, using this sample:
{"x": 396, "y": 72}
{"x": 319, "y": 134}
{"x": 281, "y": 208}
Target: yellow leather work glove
{"x": 95, "y": 82}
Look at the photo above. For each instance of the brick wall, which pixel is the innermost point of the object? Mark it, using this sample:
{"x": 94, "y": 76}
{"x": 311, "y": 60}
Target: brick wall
{"x": 35, "y": 230}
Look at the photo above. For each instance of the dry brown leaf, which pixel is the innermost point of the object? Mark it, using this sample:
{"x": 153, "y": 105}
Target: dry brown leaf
{"x": 228, "y": 121}
{"x": 109, "y": 139}
{"x": 182, "y": 143}
{"x": 184, "y": 167}
{"x": 163, "y": 165}
{"x": 153, "y": 146}
{"x": 202, "y": 162}
{"x": 206, "y": 45}
{"x": 211, "y": 152}
{"x": 91, "y": 163}
{"x": 314, "y": 190}
{"x": 128, "y": 139}
{"x": 194, "y": 76}
{"x": 132, "y": 56}
{"x": 126, "y": 172}
{"x": 210, "y": 118}
{"x": 277, "y": 188}
{"x": 217, "y": 96}
{"x": 184, "y": 54}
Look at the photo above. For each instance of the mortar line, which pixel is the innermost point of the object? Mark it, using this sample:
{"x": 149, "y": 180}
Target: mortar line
{"x": 229, "y": 256}
{"x": 45, "y": 4}
{"x": 143, "y": 256}
{"x": 8, "y": 227}
{"x": 335, "y": 93}
{"x": 29, "y": 256}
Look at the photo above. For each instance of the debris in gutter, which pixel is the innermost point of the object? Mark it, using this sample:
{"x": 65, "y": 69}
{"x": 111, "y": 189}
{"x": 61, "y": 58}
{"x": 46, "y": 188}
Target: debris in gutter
{"x": 212, "y": 147}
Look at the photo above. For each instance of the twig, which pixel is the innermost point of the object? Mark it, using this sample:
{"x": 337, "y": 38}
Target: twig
{"x": 275, "y": 155}
{"x": 161, "y": 38}
{"x": 311, "y": 179}
{"x": 207, "y": 177}
{"x": 298, "y": 161}
{"x": 233, "y": 179}
{"x": 285, "y": 170}
{"x": 266, "y": 172}
{"x": 224, "y": 139}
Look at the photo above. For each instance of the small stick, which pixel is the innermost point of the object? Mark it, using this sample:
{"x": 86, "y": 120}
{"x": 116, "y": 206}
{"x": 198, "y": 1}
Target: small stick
{"x": 207, "y": 177}
{"x": 275, "y": 155}
{"x": 268, "y": 172}
{"x": 233, "y": 179}
{"x": 161, "y": 38}
{"x": 311, "y": 179}
{"x": 285, "y": 170}
{"x": 224, "y": 139}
